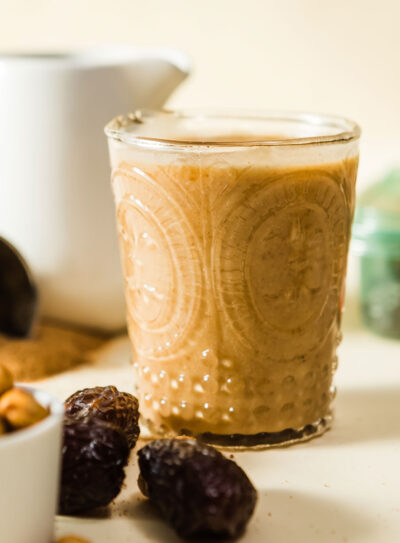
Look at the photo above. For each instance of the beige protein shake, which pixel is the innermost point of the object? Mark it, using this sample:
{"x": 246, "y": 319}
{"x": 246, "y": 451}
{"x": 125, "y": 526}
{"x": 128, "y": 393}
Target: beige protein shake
{"x": 234, "y": 233}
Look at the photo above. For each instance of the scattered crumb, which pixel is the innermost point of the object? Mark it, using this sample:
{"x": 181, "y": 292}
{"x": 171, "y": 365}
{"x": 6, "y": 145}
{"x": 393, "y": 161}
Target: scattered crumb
{"x": 270, "y": 514}
{"x": 231, "y": 456}
{"x": 326, "y": 486}
{"x": 290, "y": 497}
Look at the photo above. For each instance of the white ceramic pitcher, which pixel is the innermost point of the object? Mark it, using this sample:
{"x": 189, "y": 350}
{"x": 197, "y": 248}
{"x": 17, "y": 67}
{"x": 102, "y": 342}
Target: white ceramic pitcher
{"x": 56, "y": 204}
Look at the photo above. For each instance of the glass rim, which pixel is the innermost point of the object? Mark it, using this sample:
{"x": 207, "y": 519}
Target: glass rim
{"x": 345, "y": 131}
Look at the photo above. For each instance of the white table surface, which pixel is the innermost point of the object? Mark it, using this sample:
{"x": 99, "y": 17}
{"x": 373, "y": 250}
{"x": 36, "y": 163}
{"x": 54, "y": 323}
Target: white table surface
{"x": 341, "y": 487}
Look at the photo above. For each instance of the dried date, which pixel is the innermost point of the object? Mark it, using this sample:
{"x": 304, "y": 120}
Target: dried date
{"x": 198, "y": 490}
{"x": 107, "y": 404}
{"x": 94, "y": 455}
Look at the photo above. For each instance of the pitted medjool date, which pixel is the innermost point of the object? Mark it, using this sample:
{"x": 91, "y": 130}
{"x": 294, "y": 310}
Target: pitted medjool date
{"x": 94, "y": 455}
{"x": 108, "y": 404}
{"x": 198, "y": 490}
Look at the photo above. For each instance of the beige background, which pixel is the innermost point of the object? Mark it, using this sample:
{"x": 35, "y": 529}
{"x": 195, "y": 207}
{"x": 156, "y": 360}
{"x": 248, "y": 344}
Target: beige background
{"x": 330, "y": 56}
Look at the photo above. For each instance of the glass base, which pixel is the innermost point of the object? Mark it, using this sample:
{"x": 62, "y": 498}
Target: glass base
{"x": 263, "y": 440}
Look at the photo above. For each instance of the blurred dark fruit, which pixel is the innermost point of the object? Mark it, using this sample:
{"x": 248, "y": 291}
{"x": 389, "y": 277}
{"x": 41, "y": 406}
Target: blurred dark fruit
{"x": 107, "y": 404}
{"x": 197, "y": 489}
{"x": 94, "y": 455}
{"x": 18, "y": 294}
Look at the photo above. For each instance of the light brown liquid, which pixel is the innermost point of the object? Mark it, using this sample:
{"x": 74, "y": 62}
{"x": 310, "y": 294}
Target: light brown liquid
{"x": 234, "y": 281}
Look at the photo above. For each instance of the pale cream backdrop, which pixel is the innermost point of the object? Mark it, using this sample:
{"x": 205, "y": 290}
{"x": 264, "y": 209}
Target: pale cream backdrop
{"x": 338, "y": 56}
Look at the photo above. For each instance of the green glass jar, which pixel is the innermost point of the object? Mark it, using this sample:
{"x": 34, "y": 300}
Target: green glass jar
{"x": 376, "y": 239}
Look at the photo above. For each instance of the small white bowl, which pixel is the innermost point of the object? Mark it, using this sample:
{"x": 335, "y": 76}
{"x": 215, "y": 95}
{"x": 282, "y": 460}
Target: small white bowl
{"x": 29, "y": 476}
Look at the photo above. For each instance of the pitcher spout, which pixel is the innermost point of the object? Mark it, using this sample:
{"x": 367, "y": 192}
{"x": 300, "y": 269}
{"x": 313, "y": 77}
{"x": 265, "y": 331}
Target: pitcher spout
{"x": 154, "y": 73}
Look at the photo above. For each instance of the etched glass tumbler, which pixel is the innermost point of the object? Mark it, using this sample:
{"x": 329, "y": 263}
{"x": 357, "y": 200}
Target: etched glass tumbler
{"x": 234, "y": 231}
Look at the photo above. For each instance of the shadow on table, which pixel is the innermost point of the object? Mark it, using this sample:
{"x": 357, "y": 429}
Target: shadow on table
{"x": 289, "y": 517}
{"x": 365, "y": 415}
{"x": 282, "y": 515}
{"x": 147, "y": 519}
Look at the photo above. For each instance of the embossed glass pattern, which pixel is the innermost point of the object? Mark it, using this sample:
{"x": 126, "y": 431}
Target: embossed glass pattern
{"x": 234, "y": 232}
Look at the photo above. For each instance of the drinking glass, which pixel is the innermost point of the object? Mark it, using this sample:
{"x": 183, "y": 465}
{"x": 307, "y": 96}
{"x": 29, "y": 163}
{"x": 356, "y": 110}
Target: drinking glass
{"x": 234, "y": 230}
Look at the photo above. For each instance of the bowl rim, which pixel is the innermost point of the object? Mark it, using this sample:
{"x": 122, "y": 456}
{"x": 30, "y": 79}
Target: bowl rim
{"x": 54, "y": 418}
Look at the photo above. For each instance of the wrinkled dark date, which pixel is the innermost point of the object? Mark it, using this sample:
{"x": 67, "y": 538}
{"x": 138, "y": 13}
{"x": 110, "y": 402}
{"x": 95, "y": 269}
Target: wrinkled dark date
{"x": 94, "y": 455}
{"x": 197, "y": 489}
{"x": 107, "y": 404}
